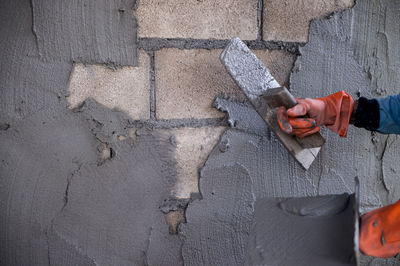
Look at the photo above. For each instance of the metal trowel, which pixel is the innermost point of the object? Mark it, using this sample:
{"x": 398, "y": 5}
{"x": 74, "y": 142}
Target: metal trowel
{"x": 265, "y": 93}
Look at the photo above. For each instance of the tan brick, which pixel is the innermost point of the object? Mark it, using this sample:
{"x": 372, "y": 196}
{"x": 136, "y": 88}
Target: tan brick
{"x": 202, "y": 19}
{"x": 344, "y": 4}
{"x": 187, "y": 81}
{"x": 287, "y": 20}
{"x": 193, "y": 147}
{"x": 173, "y": 219}
{"x": 126, "y": 89}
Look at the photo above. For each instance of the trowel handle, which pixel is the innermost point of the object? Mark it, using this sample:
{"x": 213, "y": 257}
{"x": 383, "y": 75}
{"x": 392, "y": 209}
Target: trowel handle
{"x": 282, "y": 97}
{"x": 279, "y": 97}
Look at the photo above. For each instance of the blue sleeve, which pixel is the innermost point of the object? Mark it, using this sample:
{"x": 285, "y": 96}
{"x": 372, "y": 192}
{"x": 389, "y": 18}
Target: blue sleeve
{"x": 389, "y": 114}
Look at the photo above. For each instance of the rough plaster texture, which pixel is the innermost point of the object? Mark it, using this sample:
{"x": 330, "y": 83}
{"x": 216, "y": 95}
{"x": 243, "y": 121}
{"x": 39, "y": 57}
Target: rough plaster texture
{"x": 336, "y": 57}
{"x": 50, "y": 166}
{"x": 112, "y": 212}
{"x": 126, "y": 89}
{"x": 217, "y": 225}
{"x": 192, "y": 148}
{"x": 187, "y": 81}
{"x": 317, "y": 230}
{"x": 87, "y": 31}
{"x": 198, "y": 19}
{"x": 289, "y": 20}
{"x": 60, "y": 205}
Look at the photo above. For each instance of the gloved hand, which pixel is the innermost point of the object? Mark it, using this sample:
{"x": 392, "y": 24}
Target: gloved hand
{"x": 380, "y": 232}
{"x": 332, "y": 111}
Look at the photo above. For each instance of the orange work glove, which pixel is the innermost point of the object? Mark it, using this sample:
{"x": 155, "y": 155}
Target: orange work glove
{"x": 380, "y": 232}
{"x": 332, "y": 111}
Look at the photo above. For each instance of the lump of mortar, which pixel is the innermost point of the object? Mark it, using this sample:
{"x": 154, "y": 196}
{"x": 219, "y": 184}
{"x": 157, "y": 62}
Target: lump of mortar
{"x": 242, "y": 116}
{"x": 315, "y": 206}
{"x": 281, "y": 238}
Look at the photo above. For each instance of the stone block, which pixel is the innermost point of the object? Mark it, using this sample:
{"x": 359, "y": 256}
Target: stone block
{"x": 126, "y": 89}
{"x": 193, "y": 145}
{"x": 187, "y": 81}
{"x": 199, "y": 19}
{"x": 289, "y": 20}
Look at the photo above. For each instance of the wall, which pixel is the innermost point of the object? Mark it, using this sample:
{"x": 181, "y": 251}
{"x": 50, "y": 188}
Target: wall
{"x": 107, "y": 116}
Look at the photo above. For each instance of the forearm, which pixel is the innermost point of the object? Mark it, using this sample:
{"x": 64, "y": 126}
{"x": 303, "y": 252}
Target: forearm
{"x": 382, "y": 115}
{"x": 366, "y": 114}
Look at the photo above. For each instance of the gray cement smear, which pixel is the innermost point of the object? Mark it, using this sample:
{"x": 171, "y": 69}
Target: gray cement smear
{"x": 82, "y": 30}
{"x": 349, "y": 51}
{"x": 357, "y": 51}
{"x": 58, "y": 204}
{"x": 282, "y": 236}
{"x": 242, "y": 116}
{"x": 217, "y": 226}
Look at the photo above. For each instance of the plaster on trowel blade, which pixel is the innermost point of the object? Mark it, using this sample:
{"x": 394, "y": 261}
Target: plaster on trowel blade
{"x": 254, "y": 79}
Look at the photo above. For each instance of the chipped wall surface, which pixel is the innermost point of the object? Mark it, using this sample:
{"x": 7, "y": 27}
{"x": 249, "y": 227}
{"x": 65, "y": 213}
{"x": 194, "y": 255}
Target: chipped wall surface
{"x": 103, "y": 144}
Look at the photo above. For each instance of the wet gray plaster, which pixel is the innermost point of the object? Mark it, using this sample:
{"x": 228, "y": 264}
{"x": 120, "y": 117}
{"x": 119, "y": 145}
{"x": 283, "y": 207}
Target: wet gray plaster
{"x": 357, "y": 51}
{"x": 86, "y": 31}
{"x": 58, "y": 204}
{"x": 343, "y": 53}
{"x": 217, "y": 226}
{"x": 112, "y": 210}
{"x": 300, "y": 231}
{"x": 242, "y": 116}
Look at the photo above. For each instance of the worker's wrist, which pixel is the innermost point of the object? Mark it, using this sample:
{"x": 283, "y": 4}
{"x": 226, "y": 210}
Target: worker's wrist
{"x": 353, "y": 114}
{"x": 366, "y": 114}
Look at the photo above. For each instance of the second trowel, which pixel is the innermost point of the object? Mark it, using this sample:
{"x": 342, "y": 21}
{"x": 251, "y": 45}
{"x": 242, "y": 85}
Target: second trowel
{"x": 265, "y": 93}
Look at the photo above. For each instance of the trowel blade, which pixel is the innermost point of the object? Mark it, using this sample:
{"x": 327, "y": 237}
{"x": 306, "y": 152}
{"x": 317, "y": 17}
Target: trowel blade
{"x": 254, "y": 79}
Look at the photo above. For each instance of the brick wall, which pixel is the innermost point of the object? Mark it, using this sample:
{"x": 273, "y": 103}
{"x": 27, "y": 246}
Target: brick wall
{"x": 179, "y": 72}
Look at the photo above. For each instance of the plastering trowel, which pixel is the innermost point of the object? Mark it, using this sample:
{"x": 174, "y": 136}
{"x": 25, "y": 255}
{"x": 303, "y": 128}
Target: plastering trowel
{"x": 265, "y": 93}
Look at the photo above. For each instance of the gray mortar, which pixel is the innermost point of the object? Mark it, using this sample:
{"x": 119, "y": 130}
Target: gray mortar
{"x": 217, "y": 226}
{"x": 299, "y": 231}
{"x": 260, "y": 20}
{"x": 71, "y": 30}
{"x": 242, "y": 116}
{"x": 154, "y": 44}
{"x": 343, "y": 53}
{"x": 58, "y": 205}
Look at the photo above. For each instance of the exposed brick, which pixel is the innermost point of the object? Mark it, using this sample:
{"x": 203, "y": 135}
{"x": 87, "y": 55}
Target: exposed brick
{"x": 187, "y": 81}
{"x": 193, "y": 145}
{"x": 173, "y": 219}
{"x": 201, "y": 19}
{"x": 289, "y": 20}
{"x": 126, "y": 89}
{"x": 344, "y": 4}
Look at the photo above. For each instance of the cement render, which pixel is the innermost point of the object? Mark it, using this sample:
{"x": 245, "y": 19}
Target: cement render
{"x": 343, "y": 53}
{"x": 82, "y": 31}
{"x": 301, "y": 225}
{"x": 72, "y": 192}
